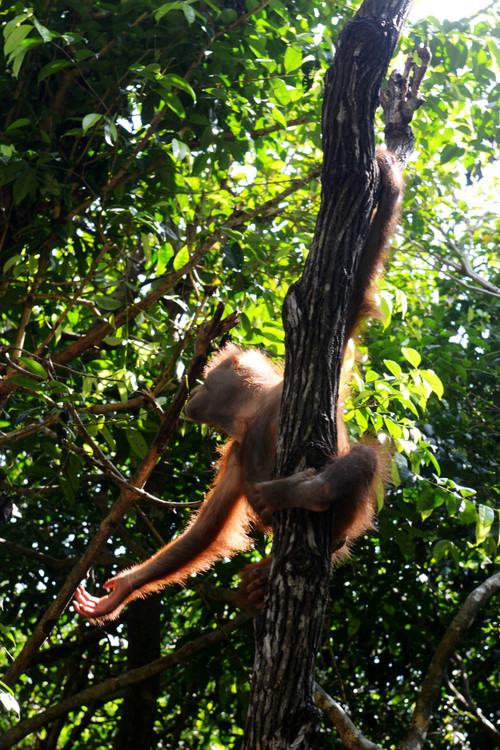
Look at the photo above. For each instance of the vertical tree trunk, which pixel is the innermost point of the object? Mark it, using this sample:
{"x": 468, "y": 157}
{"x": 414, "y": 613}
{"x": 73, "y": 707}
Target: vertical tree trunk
{"x": 288, "y": 631}
{"x": 139, "y": 709}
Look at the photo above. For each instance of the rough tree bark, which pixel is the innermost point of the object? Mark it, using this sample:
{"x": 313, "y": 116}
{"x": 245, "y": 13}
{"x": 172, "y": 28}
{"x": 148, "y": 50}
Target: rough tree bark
{"x": 140, "y": 708}
{"x": 282, "y": 713}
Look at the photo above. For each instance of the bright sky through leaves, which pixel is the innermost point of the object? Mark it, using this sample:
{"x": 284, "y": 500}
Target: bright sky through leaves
{"x": 451, "y": 9}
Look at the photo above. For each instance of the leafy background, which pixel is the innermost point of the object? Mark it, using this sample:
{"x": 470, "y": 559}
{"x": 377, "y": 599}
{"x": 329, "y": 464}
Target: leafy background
{"x": 157, "y": 160}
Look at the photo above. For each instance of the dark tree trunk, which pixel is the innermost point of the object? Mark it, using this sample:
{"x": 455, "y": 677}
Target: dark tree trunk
{"x": 138, "y": 714}
{"x": 288, "y": 631}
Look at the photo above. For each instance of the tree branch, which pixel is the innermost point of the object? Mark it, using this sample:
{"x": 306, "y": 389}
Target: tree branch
{"x": 155, "y": 123}
{"x": 28, "y": 307}
{"x": 107, "y": 689}
{"x": 350, "y": 736}
{"x": 237, "y": 219}
{"x": 41, "y": 558}
{"x": 464, "y": 267}
{"x": 435, "y": 674}
{"x": 468, "y": 703}
{"x": 281, "y": 711}
{"x": 206, "y": 333}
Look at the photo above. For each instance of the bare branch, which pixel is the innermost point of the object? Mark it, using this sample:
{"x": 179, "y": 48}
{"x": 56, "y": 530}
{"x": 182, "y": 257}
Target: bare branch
{"x": 74, "y": 300}
{"x": 28, "y": 307}
{"x": 463, "y": 267}
{"x": 350, "y": 736}
{"x": 112, "y": 473}
{"x": 467, "y": 701}
{"x": 259, "y": 132}
{"x": 435, "y": 674}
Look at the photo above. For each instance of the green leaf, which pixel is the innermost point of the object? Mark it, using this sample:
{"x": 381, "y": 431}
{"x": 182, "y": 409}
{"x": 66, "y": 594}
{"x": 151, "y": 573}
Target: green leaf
{"x": 185, "y": 7}
{"x": 53, "y": 67}
{"x": 176, "y": 81}
{"x": 18, "y": 34}
{"x": 108, "y": 437}
{"x": 110, "y": 132}
{"x": 233, "y": 233}
{"x": 34, "y": 366}
{"x": 18, "y": 61}
{"x": 486, "y": 516}
{"x": 107, "y": 303}
{"x": 429, "y": 499}
{"x": 165, "y": 252}
{"x": 91, "y": 120}
{"x": 278, "y": 116}
{"x": 361, "y": 419}
{"x": 20, "y": 123}
{"x": 24, "y": 184}
{"x": 451, "y": 151}
{"x": 175, "y": 104}
{"x": 167, "y": 8}
{"x": 73, "y": 38}
{"x": 16, "y": 21}
{"x": 56, "y": 387}
{"x": 467, "y": 512}
{"x": 146, "y": 246}
{"x": 25, "y": 382}
{"x": 179, "y": 149}
{"x": 393, "y": 367}
{"x": 433, "y": 460}
{"x": 228, "y": 16}
{"x": 87, "y": 385}
{"x": 395, "y": 474}
{"x": 46, "y": 35}
{"x": 385, "y": 310}
{"x": 181, "y": 258}
{"x": 411, "y": 355}
{"x": 292, "y": 59}
{"x": 442, "y": 548}
{"x": 433, "y": 381}
{"x": 68, "y": 489}
{"x": 12, "y": 262}
{"x": 281, "y": 92}
{"x": 83, "y": 54}
{"x": 189, "y": 13}
{"x": 494, "y": 51}
{"x": 137, "y": 443}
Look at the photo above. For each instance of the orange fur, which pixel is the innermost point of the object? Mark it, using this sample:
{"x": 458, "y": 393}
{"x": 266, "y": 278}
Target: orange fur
{"x": 256, "y": 370}
{"x": 241, "y": 395}
{"x": 224, "y": 533}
